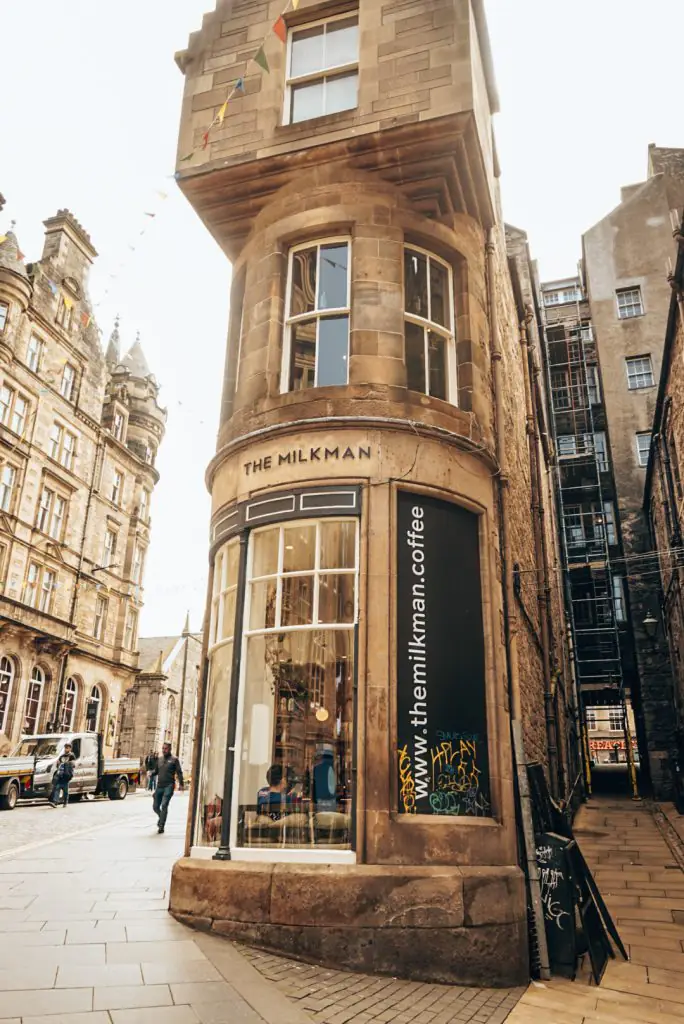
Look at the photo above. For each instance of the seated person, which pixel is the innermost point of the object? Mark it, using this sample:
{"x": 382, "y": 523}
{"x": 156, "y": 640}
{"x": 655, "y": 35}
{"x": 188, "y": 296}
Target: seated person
{"x": 278, "y": 797}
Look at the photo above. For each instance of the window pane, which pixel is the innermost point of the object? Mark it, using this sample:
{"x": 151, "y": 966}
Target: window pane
{"x": 439, "y": 294}
{"x": 338, "y": 545}
{"x": 295, "y": 757}
{"x": 341, "y": 43}
{"x": 333, "y": 344}
{"x": 263, "y": 604}
{"x": 303, "y": 337}
{"x": 308, "y": 50}
{"x": 415, "y": 283}
{"x": 438, "y": 365}
{"x": 307, "y": 102}
{"x": 300, "y": 548}
{"x": 210, "y": 808}
{"x": 415, "y": 356}
{"x": 297, "y": 608}
{"x": 229, "y": 613}
{"x": 336, "y": 598}
{"x": 265, "y": 557}
{"x": 303, "y": 295}
{"x": 332, "y": 287}
{"x": 341, "y": 93}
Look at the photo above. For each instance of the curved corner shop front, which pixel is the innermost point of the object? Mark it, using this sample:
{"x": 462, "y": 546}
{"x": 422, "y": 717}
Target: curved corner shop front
{"x": 354, "y": 803}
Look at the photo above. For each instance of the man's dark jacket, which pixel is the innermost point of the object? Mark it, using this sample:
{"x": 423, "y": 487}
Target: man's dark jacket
{"x": 168, "y": 769}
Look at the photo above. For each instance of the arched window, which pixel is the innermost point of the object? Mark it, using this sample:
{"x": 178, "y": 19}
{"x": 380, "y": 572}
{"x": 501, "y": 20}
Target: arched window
{"x": 34, "y": 698}
{"x": 170, "y": 720}
{"x": 6, "y": 680}
{"x": 69, "y": 706}
{"x": 93, "y": 709}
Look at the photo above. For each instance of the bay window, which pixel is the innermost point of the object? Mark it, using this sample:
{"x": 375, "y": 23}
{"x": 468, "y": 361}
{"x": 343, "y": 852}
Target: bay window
{"x": 429, "y": 346}
{"x": 316, "y": 347}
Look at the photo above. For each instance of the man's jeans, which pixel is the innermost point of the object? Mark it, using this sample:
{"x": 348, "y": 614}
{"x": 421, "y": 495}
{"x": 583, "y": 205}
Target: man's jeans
{"x": 160, "y": 802}
{"x": 57, "y": 785}
{"x": 151, "y": 782}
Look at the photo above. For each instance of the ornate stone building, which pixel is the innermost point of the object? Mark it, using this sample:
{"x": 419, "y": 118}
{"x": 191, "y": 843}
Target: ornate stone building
{"x": 381, "y": 600}
{"x": 161, "y": 705}
{"x": 78, "y": 438}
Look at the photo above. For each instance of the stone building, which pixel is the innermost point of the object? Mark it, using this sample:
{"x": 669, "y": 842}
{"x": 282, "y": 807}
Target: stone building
{"x": 78, "y": 437}
{"x": 378, "y": 496}
{"x": 664, "y": 495}
{"x": 625, "y": 261}
{"x": 161, "y": 705}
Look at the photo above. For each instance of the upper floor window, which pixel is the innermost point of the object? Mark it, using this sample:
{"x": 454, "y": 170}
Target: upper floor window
{"x": 643, "y": 446}
{"x": 4, "y": 311}
{"x": 429, "y": 325}
{"x": 6, "y": 681}
{"x": 62, "y": 447}
{"x": 137, "y": 566}
{"x": 629, "y": 303}
{"x": 591, "y": 719}
{"x": 51, "y": 512}
{"x": 615, "y": 719}
{"x": 118, "y": 425}
{"x": 316, "y": 348}
{"x": 117, "y": 487}
{"x": 100, "y": 623}
{"x": 131, "y": 629}
{"x": 560, "y": 296}
{"x": 66, "y": 387}
{"x": 34, "y": 353}
{"x": 109, "y": 547}
{"x": 619, "y": 599}
{"x": 13, "y": 409}
{"x": 593, "y": 385}
{"x": 150, "y": 454}
{"x": 65, "y": 310}
{"x": 8, "y": 480}
{"x": 639, "y": 372}
{"x": 40, "y": 586}
{"x": 322, "y": 69}
{"x": 144, "y": 506}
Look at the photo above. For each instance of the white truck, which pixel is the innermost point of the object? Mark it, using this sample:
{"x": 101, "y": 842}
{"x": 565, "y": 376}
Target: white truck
{"x": 28, "y": 772}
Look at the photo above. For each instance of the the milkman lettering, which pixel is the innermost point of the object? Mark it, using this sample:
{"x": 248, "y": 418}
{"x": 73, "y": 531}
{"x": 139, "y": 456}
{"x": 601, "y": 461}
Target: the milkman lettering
{"x": 318, "y": 453}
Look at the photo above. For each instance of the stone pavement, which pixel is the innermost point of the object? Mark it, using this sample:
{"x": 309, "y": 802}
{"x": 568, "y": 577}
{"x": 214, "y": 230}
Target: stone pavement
{"x": 85, "y": 938}
{"x": 642, "y": 882}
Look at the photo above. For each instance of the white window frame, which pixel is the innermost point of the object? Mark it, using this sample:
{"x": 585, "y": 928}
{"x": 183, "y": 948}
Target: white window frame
{"x": 48, "y": 585}
{"x": 318, "y": 76}
{"x": 117, "y": 491}
{"x": 619, "y": 599}
{"x": 321, "y": 855}
{"x": 4, "y": 315}
{"x": 144, "y": 505}
{"x": 131, "y": 629}
{"x": 10, "y": 417}
{"x": 37, "y": 679}
{"x": 68, "y": 724}
{"x": 100, "y": 621}
{"x": 62, "y": 448}
{"x": 94, "y": 700}
{"x": 592, "y": 724}
{"x": 67, "y": 385}
{"x": 641, "y": 462}
{"x": 316, "y": 313}
{"x": 635, "y": 377}
{"x": 448, "y": 333}
{"x": 118, "y": 425}
{"x": 34, "y": 352}
{"x": 613, "y": 713}
{"x": 629, "y": 310}
{"x": 47, "y": 520}
{"x": 7, "y": 674}
{"x": 138, "y": 562}
{"x": 109, "y": 552}
{"x": 65, "y": 313}
{"x": 7, "y": 487}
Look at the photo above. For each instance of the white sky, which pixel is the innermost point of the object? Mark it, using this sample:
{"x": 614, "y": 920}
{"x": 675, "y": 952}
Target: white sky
{"x": 88, "y": 120}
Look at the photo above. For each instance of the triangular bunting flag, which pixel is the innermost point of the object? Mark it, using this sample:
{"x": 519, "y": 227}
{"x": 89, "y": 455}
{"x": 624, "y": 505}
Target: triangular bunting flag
{"x": 222, "y": 113}
{"x": 67, "y": 301}
{"x": 3, "y": 238}
{"x": 240, "y": 85}
{"x": 150, "y": 214}
{"x": 260, "y": 59}
{"x": 280, "y": 29}
{"x": 184, "y": 159}
{"x": 53, "y": 287}
{"x": 85, "y": 319}
{"x": 295, "y": 4}
{"x": 205, "y": 140}
{"x": 20, "y": 255}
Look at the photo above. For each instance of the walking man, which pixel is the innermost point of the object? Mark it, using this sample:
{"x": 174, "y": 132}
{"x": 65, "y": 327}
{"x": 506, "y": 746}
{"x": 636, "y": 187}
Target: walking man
{"x": 63, "y": 776}
{"x": 168, "y": 770}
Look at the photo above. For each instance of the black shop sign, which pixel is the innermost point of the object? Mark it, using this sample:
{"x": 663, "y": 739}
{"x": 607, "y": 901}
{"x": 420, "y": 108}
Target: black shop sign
{"x": 442, "y": 760}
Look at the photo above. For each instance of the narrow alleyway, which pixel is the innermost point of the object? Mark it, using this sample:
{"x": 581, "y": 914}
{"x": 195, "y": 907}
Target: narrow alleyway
{"x": 642, "y": 882}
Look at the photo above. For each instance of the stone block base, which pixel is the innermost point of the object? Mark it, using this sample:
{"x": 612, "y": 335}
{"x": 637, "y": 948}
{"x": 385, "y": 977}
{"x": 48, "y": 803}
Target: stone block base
{"x": 461, "y": 926}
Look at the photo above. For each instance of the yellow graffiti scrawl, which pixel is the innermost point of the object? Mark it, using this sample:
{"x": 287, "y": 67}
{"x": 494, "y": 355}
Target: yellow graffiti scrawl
{"x": 407, "y": 787}
{"x": 456, "y": 778}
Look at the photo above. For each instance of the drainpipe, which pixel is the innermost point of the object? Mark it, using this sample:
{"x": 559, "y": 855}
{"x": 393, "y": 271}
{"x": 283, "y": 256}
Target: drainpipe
{"x": 510, "y": 618}
{"x": 541, "y": 557}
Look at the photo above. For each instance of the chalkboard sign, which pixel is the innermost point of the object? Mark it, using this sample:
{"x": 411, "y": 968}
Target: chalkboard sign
{"x": 558, "y": 899}
{"x": 442, "y": 760}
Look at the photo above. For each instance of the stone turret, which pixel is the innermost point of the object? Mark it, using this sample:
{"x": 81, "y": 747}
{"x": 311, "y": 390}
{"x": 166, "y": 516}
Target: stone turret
{"x": 133, "y": 391}
{"x": 113, "y": 353}
{"x": 15, "y": 287}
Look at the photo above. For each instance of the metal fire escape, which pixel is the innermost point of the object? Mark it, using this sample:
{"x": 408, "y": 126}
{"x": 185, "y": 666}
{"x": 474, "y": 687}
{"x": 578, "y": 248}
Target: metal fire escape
{"x": 586, "y": 500}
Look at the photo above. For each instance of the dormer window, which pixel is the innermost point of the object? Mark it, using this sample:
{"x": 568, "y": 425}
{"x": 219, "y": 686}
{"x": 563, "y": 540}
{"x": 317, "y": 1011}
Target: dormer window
{"x": 65, "y": 310}
{"x": 322, "y": 69}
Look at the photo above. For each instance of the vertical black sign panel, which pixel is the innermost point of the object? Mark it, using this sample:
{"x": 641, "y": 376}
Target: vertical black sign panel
{"x": 442, "y": 722}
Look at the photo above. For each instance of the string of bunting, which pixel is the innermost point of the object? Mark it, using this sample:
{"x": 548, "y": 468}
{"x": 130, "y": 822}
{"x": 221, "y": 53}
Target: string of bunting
{"x": 279, "y": 28}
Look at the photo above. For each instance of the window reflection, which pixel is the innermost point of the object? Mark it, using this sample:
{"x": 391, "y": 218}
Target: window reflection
{"x": 295, "y": 782}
